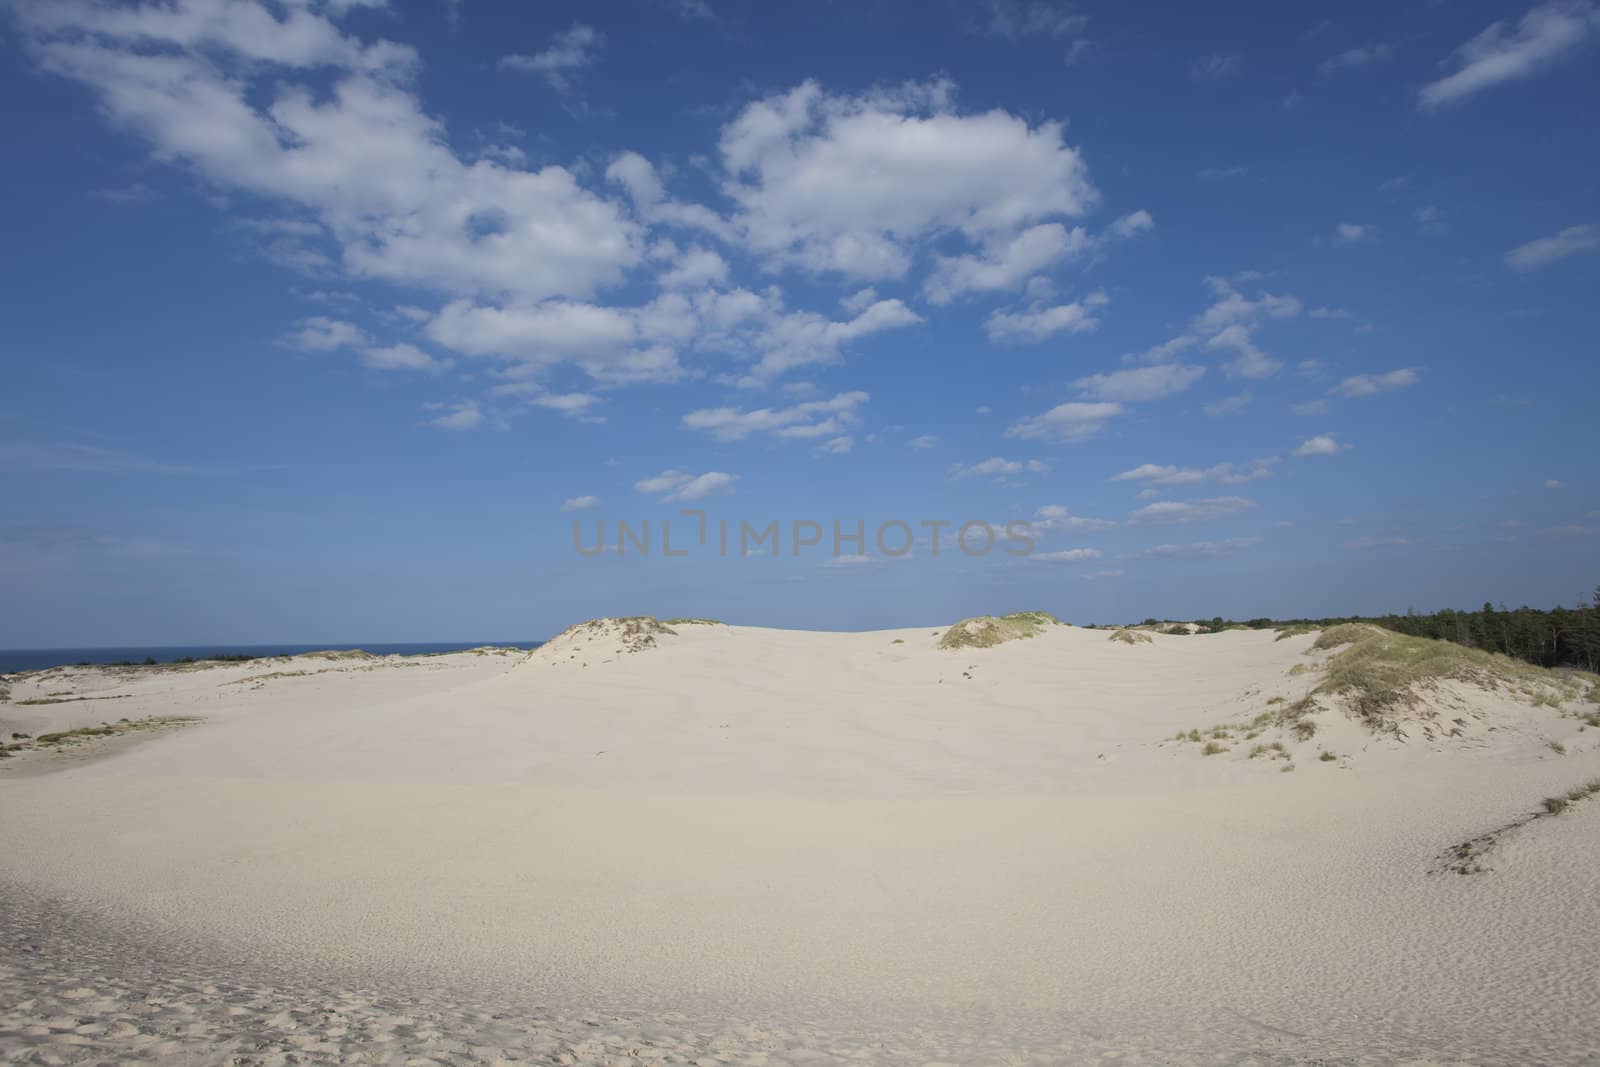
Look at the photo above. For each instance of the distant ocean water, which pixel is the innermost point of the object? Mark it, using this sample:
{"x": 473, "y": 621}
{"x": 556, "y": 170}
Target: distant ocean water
{"x": 34, "y": 659}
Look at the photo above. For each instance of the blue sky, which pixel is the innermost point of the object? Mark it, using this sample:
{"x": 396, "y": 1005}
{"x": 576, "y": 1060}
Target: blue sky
{"x": 328, "y": 320}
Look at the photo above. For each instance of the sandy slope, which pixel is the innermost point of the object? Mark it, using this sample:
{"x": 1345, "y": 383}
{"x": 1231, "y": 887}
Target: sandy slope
{"x": 776, "y": 846}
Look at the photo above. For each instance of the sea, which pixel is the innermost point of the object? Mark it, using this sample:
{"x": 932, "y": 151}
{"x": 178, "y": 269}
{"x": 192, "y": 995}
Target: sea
{"x": 35, "y": 659}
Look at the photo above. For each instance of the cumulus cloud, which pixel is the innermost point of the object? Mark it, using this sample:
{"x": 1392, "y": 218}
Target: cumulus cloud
{"x": 1502, "y": 54}
{"x": 579, "y": 503}
{"x": 1172, "y": 512}
{"x": 806, "y": 421}
{"x": 1071, "y": 421}
{"x": 570, "y": 52}
{"x": 1141, "y": 383}
{"x": 1368, "y": 384}
{"x": 1005, "y": 263}
{"x": 678, "y": 485}
{"x": 1321, "y": 445}
{"x": 848, "y": 184}
{"x": 1040, "y": 323}
{"x": 1546, "y": 250}
{"x": 998, "y": 468}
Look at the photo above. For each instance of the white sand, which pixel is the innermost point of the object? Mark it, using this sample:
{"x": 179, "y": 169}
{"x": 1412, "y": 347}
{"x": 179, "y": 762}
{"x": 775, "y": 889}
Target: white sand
{"x": 760, "y": 846}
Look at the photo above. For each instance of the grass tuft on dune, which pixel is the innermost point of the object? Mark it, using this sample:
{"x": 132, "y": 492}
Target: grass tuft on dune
{"x": 1379, "y": 673}
{"x": 986, "y": 631}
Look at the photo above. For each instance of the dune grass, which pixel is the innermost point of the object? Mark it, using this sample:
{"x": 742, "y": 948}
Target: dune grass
{"x": 986, "y": 631}
{"x": 1378, "y": 672}
{"x": 1131, "y": 637}
{"x": 693, "y": 622}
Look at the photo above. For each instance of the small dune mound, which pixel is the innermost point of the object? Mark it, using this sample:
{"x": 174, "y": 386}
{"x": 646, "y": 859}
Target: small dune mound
{"x": 600, "y": 639}
{"x": 338, "y": 654}
{"x": 694, "y": 622}
{"x": 1131, "y": 637}
{"x": 986, "y": 631}
{"x": 1382, "y": 677}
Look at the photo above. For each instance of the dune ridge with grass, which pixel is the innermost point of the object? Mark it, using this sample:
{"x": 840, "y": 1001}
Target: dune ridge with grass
{"x": 683, "y": 841}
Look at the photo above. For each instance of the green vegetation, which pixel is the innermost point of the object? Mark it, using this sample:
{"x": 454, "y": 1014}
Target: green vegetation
{"x": 1213, "y": 748}
{"x": 1557, "y": 637}
{"x": 986, "y": 631}
{"x": 1326, "y": 757}
{"x": 693, "y": 622}
{"x": 62, "y": 738}
{"x": 69, "y": 700}
{"x": 1131, "y": 637}
{"x": 1378, "y": 672}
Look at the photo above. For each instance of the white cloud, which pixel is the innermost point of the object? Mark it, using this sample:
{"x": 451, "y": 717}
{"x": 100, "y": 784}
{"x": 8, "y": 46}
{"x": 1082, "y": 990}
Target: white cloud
{"x": 1349, "y": 233}
{"x": 1368, "y": 384}
{"x": 998, "y": 467}
{"x": 1547, "y": 250}
{"x": 1071, "y": 421}
{"x": 1133, "y": 224}
{"x": 1172, "y": 512}
{"x": 1310, "y": 407}
{"x": 571, "y": 51}
{"x": 1228, "y": 405}
{"x": 1068, "y": 555}
{"x": 678, "y": 485}
{"x": 1320, "y": 445}
{"x": 578, "y": 503}
{"x": 1328, "y": 313}
{"x": 927, "y": 440}
{"x": 805, "y": 421}
{"x": 1053, "y": 518}
{"x": 849, "y": 184}
{"x": 292, "y": 110}
{"x": 1141, "y": 383}
{"x": 1378, "y": 542}
{"x": 322, "y": 334}
{"x": 1019, "y": 20}
{"x": 1202, "y": 548}
{"x": 1222, "y": 473}
{"x": 1040, "y": 323}
{"x": 1211, "y": 174}
{"x": 1249, "y": 361}
{"x": 464, "y": 416}
{"x": 1552, "y": 483}
{"x": 1362, "y": 56}
{"x": 696, "y": 268}
{"x": 400, "y": 357}
{"x": 1499, "y": 54}
{"x": 836, "y": 446}
{"x": 1005, "y": 263}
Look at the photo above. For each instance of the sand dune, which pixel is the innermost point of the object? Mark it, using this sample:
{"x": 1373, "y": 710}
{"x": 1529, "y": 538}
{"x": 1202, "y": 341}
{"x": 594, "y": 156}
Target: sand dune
{"x": 703, "y": 842}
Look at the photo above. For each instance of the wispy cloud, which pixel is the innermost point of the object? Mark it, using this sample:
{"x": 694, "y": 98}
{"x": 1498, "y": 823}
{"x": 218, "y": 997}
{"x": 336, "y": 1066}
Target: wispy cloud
{"x": 1502, "y": 54}
{"x": 1369, "y": 384}
{"x": 998, "y": 467}
{"x": 678, "y": 485}
{"x": 1172, "y": 512}
{"x": 570, "y": 52}
{"x": 579, "y": 503}
{"x": 1547, "y": 250}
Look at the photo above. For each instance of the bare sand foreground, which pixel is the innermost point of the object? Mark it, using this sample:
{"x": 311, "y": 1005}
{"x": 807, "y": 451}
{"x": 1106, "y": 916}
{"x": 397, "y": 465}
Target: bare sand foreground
{"x": 735, "y": 845}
